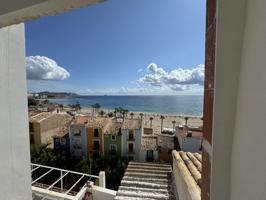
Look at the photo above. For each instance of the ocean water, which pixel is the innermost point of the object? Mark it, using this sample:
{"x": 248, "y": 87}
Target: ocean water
{"x": 176, "y": 105}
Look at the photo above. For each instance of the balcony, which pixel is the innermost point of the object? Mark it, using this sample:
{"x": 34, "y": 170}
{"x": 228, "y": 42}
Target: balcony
{"x": 96, "y": 147}
{"x": 49, "y": 183}
{"x": 130, "y": 152}
{"x": 113, "y": 152}
{"x": 131, "y": 139}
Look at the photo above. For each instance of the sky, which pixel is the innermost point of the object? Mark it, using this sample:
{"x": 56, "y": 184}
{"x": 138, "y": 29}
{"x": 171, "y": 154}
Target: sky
{"x": 119, "y": 47}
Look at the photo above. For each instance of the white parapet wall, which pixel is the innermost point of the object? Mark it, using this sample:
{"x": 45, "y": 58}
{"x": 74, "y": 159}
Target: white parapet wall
{"x": 102, "y": 179}
{"x": 100, "y": 193}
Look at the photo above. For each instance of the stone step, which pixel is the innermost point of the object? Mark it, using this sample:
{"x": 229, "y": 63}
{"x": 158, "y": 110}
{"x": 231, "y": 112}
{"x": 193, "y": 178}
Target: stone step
{"x": 154, "y": 168}
{"x": 148, "y": 171}
{"x": 163, "y": 191}
{"x": 146, "y": 179}
{"x": 140, "y": 174}
{"x": 144, "y": 184}
{"x": 143, "y": 194}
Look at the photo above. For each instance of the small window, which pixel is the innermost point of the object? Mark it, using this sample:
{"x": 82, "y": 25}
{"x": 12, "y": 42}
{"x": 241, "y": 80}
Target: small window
{"x": 96, "y": 145}
{"x": 77, "y": 146}
{"x": 113, "y": 138}
{"x": 112, "y": 147}
{"x": 32, "y": 139}
{"x": 77, "y": 131}
{"x": 31, "y": 127}
{"x": 131, "y": 135}
{"x": 130, "y": 147}
{"x": 96, "y": 132}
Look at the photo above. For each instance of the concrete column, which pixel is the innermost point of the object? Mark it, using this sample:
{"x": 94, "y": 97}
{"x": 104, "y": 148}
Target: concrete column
{"x": 102, "y": 179}
{"x": 14, "y": 143}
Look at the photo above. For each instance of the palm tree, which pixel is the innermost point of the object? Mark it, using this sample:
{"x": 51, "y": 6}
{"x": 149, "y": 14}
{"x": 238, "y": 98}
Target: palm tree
{"x": 77, "y": 106}
{"x": 131, "y": 115}
{"x": 123, "y": 113}
{"x": 151, "y": 118}
{"x": 186, "y": 119}
{"x": 102, "y": 112}
{"x": 97, "y": 106}
{"x": 162, "y": 118}
{"x": 126, "y": 111}
{"x": 141, "y": 116}
{"x": 174, "y": 122}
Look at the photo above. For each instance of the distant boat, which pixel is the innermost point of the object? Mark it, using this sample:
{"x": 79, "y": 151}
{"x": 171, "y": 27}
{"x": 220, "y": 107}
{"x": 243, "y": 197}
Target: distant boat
{"x": 105, "y": 95}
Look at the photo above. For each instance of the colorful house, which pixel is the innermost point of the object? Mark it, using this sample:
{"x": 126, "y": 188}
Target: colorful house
{"x": 113, "y": 139}
{"x": 78, "y": 137}
{"x": 94, "y": 131}
{"x": 131, "y": 138}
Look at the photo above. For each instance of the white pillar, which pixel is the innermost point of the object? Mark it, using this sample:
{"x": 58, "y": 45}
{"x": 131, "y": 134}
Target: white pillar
{"x": 14, "y": 143}
{"x": 102, "y": 179}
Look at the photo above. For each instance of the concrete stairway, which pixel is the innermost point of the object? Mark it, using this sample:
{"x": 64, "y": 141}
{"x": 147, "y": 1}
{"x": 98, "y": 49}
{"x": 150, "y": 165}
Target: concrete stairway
{"x": 144, "y": 180}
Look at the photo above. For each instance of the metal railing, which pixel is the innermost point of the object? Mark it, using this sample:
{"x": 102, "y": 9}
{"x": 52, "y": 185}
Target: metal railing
{"x": 63, "y": 173}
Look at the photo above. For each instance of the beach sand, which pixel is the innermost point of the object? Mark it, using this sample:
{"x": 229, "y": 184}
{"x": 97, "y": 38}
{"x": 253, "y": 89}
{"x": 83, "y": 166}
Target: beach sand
{"x": 167, "y": 122}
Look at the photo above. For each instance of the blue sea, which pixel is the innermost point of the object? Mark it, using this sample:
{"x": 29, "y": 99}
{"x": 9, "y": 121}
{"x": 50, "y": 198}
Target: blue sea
{"x": 175, "y": 105}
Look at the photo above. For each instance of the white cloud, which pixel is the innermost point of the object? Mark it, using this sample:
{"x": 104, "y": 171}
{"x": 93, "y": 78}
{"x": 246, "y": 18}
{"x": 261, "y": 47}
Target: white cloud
{"x": 43, "y": 68}
{"x": 179, "y": 79}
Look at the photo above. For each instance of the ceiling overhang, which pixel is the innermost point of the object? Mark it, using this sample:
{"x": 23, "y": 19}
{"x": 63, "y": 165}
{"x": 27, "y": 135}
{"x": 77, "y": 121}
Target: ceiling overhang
{"x": 17, "y": 11}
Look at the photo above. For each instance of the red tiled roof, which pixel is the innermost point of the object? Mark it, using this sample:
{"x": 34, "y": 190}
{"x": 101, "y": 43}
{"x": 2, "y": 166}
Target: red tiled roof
{"x": 81, "y": 119}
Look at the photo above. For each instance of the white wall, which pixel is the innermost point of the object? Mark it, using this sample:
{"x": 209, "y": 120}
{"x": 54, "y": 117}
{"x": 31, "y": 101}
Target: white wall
{"x": 230, "y": 25}
{"x": 100, "y": 193}
{"x": 192, "y": 144}
{"x": 239, "y": 138}
{"x": 248, "y": 163}
{"x": 14, "y": 132}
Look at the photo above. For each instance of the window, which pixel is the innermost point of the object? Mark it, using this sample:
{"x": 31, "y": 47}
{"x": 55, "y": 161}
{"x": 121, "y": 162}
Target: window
{"x": 77, "y": 143}
{"x": 113, "y": 138}
{"x": 130, "y": 148}
{"x": 63, "y": 141}
{"x": 32, "y": 139}
{"x": 112, "y": 147}
{"x": 77, "y": 131}
{"x": 77, "y": 146}
{"x": 131, "y": 135}
{"x": 96, "y": 132}
{"x": 31, "y": 127}
{"x": 96, "y": 145}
